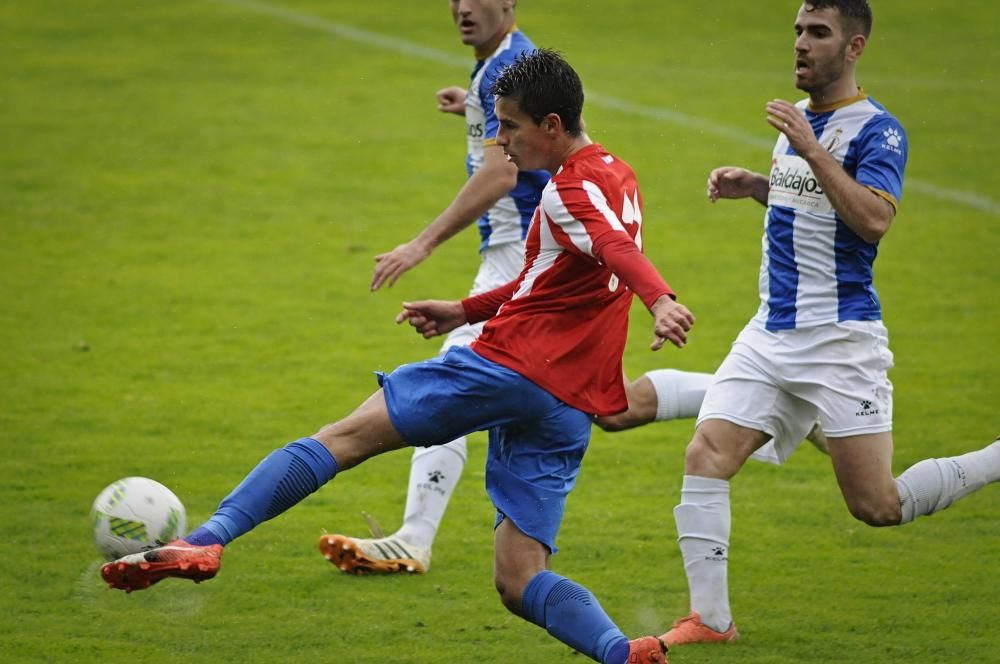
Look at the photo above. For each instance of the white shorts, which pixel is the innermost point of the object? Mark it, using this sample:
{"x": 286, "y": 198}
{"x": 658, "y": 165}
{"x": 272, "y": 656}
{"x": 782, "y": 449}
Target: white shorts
{"x": 780, "y": 382}
{"x": 498, "y": 266}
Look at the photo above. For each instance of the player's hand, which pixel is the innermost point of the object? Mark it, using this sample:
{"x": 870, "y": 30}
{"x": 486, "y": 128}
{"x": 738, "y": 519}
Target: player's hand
{"x": 730, "y": 182}
{"x": 391, "y": 265}
{"x": 451, "y": 100}
{"x": 671, "y": 322}
{"x": 792, "y": 122}
{"x": 432, "y": 317}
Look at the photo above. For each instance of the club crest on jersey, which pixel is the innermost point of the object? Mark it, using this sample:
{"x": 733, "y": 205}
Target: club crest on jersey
{"x": 835, "y": 141}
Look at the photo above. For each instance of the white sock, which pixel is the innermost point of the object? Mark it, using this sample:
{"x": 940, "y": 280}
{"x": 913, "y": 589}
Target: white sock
{"x": 703, "y": 524}
{"x": 932, "y": 485}
{"x": 434, "y": 474}
{"x": 678, "y": 393}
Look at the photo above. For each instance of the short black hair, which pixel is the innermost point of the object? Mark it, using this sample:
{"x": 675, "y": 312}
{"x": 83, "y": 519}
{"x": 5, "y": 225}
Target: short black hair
{"x": 542, "y": 82}
{"x": 855, "y": 15}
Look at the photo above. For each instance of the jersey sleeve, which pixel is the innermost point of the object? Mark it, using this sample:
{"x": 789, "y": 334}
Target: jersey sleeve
{"x": 579, "y": 215}
{"x": 583, "y": 222}
{"x": 882, "y": 154}
{"x": 623, "y": 257}
{"x": 485, "y": 305}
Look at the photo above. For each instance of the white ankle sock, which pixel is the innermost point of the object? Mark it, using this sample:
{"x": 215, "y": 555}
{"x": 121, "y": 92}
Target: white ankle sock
{"x": 434, "y": 474}
{"x": 703, "y": 524}
{"x": 678, "y": 393}
{"x": 932, "y": 485}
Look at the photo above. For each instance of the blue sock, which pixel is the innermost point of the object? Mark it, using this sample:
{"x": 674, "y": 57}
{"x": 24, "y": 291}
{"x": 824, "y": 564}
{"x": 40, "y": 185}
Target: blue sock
{"x": 282, "y": 479}
{"x": 572, "y": 614}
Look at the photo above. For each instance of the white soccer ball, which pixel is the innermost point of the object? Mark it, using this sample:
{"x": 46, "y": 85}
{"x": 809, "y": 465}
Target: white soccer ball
{"x": 135, "y": 514}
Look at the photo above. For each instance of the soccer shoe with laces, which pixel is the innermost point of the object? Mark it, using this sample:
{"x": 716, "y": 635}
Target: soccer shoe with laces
{"x": 690, "y": 629}
{"x": 382, "y": 555}
{"x": 647, "y": 650}
{"x": 178, "y": 558}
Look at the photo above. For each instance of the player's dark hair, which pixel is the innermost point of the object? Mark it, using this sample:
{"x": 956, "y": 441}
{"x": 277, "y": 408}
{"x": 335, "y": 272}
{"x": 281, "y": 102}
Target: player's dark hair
{"x": 542, "y": 82}
{"x": 855, "y": 15}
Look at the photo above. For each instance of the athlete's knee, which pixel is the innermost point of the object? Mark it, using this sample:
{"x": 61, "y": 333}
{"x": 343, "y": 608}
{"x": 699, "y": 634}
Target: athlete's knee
{"x": 510, "y": 592}
{"x": 342, "y": 431}
{"x": 715, "y": 452}
{"x": 350, "y": 442}
{"x": 341, "y": 442}
{"x": 701, "y": 454}
{"x": 876, "y": 512}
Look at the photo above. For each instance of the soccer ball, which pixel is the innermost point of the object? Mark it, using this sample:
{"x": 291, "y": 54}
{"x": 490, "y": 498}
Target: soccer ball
{"x": 136, "y": 514}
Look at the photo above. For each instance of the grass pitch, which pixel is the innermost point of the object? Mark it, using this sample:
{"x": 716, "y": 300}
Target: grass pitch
{"x": 191, "y": 194}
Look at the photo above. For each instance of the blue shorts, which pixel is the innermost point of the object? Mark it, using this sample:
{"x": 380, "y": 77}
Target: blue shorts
{"x": 536, "y": 443}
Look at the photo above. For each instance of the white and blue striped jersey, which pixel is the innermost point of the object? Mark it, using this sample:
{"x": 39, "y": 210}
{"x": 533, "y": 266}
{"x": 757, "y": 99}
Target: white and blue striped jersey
{"x": 508, "y": 220}
{"x": 814, "y": 269}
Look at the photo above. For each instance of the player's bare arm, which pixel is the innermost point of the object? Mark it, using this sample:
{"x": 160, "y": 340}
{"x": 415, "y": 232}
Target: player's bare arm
{"x": 431, "y": 318}
{"x": 452, "y": 100}
{"x": 865, "y": 212}
{"x": 495, "y": 178}
{"x": 671, "y": 322}
{"x": 736, "y": 182}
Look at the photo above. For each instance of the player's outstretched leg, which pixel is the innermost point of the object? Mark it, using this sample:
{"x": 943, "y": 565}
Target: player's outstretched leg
{"x": 434, "y": 474}
{"x": 932, "y": 485}
{"x": 281, "y": 480}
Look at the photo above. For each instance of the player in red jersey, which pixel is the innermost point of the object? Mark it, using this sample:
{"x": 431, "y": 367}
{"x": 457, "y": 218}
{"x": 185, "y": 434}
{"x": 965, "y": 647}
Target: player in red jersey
{"x": 548, "y": 361}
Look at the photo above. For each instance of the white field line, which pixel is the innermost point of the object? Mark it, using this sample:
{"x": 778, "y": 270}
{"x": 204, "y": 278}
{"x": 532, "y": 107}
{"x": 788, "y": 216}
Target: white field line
{"x": 391, "y": 43}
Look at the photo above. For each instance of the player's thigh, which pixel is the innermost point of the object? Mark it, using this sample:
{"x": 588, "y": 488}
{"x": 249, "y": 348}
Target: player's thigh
{"x": 532, "y": 465}
{"x": 845, "y": 373}
{"x": 863, "y": 466}
{"x": 748, "y": 393}
{"x": 364, "y": 433}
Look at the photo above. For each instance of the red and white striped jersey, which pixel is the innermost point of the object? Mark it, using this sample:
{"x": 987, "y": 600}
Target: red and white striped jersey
{"x": 563, "y": 322}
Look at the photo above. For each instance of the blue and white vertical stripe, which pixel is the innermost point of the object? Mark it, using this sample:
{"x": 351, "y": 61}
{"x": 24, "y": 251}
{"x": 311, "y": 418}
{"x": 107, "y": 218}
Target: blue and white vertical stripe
{"x": 814, "y": 269}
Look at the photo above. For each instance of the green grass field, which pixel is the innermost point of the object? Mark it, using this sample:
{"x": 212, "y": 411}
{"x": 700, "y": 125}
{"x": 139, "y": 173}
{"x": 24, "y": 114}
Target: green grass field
{"x": 191, "y": 193}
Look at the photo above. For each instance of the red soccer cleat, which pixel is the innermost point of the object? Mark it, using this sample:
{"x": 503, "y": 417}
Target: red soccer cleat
{"x": 647, "y": 650}
{"x": 139, "y": 571}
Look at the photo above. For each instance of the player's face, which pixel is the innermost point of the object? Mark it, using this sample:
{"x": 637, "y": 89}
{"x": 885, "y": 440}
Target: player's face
{"x": 821, "y": 49}
{"x": 525, "y": 143}
{"x": 480, "y": 22}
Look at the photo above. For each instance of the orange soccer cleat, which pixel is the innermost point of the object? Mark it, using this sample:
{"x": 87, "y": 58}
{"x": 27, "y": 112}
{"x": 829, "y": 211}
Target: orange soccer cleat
{"x": 690, "y": 629}
{"x": 139, "y": 571}
{"x": 647, "y": 650}
{"x": 384, "y": 555}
